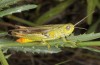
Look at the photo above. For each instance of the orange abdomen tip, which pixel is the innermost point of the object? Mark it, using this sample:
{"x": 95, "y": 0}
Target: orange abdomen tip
{"x": 23, "y": 40}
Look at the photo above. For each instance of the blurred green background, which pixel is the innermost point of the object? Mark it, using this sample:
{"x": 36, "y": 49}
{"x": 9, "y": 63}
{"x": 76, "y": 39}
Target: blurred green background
{"x": 53, "y": 12}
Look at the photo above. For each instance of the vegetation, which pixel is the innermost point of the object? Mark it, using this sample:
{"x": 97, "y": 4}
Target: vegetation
{"x": 20, "y": 12}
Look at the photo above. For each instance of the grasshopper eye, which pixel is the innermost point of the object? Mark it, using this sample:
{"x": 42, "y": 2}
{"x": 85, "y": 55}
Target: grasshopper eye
{"x": 68, "y": 27}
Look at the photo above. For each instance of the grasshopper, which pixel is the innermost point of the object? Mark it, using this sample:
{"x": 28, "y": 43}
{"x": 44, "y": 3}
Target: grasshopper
{"x": 44, "y": 33}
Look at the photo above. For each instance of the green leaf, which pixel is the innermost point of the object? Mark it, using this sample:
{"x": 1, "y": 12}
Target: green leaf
{"x": 33, "y": 49}
{"x": 91, "y": 49}
{"x": 3, "y": 59}
{"x": 6, "y": 3}
{"x": 17, "y": 19}
{"x": 84, "y": 37}
{"x": 98, "y": 4}
{"x": 91, "y": 5}
{"x": 16, "y": 9}
{"x": 54, "y": 12}
{"x": 3, "y": 34}
{"x": 94, "y": 26}
{"x": 7, "y": 56}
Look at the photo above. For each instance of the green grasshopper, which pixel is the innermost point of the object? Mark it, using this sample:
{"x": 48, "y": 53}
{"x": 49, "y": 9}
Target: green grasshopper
{"x": 44, "y": 33}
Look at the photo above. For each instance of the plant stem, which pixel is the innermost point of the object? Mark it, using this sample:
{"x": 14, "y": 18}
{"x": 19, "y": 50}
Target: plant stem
{"x": 3, "y": 59}
{"x": 52, "y": 43}
{"x": 20, "y": 20}
{"x": 89, "y": 43}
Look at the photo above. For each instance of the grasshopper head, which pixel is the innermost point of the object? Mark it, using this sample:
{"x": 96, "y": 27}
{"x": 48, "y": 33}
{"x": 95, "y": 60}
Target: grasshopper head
{"x": 68, "y": 29}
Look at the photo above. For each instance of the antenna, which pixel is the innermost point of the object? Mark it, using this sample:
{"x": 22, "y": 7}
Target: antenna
{"x": 81, "y": 28}
{"x": 83, "y": 18}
